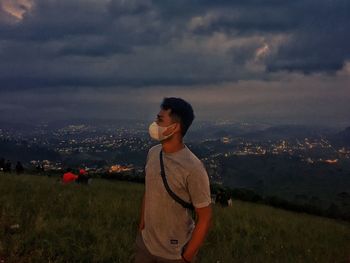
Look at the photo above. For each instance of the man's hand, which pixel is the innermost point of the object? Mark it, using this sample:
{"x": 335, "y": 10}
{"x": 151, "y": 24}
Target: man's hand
{"x": 141, "y": 226}
{"x": 204, "y": 222}
{"x": 183, "y": 260}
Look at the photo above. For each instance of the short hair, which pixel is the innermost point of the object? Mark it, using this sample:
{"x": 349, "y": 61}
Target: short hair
{"x": 180, "y": 110}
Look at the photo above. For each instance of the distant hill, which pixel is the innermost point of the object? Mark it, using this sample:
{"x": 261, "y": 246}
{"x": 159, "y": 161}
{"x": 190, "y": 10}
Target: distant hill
{"x": 21, "y": 151}
{"x": 288, "y": 132}
{"x": 342, "y": 138}
{"x": 214, "y": 131}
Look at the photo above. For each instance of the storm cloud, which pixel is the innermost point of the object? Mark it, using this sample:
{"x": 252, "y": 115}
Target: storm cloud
{"x": 72, "y": 46}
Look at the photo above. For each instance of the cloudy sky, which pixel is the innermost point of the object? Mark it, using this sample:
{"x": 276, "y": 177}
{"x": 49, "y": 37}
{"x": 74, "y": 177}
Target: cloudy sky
{"x": 252, "y": 60}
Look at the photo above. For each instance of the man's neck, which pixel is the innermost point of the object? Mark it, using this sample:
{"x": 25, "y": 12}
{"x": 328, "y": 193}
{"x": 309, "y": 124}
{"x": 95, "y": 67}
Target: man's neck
{"x": 172, "y": 146}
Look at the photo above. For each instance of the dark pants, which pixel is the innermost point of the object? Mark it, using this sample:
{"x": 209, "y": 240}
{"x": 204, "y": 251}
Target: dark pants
{"x": 142, "y": 255}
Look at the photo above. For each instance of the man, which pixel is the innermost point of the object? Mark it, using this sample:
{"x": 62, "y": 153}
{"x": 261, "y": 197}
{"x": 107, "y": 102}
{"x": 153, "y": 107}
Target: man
{"x": 167, "y": 232}
{"x": 83, "y": 177}
{"x": 19, "y": 168}
{"x": 8, "y": 166}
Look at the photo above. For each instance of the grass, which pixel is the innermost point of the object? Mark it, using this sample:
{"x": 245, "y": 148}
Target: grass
{"x": 44, "y": 221}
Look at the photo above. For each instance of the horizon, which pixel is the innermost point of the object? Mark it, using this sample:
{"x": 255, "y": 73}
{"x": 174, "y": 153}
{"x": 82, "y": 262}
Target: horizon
{"x": 59, "y": 123}
{"x": 195, "y": 124}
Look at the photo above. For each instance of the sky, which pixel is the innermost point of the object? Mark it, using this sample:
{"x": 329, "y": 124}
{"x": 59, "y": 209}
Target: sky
{"x": 253, "y": 60}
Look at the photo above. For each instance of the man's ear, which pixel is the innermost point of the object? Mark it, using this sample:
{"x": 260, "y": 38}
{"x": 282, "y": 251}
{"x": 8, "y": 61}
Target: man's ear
{"x": 176, "y": 127}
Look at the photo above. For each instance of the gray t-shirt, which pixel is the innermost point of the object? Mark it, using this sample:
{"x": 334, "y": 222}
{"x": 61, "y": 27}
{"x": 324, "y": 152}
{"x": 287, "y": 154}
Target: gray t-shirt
{"x": 169, "y": 226}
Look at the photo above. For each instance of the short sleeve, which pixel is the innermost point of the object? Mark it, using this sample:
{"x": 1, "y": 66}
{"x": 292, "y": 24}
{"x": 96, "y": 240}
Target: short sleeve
{"x": 198, "y": 186}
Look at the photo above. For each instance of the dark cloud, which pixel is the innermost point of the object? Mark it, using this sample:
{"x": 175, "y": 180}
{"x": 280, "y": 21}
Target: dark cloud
{"x": 130, "y": 7}
{"x": 50, "y": 20}
{"x": 320, "y": 42}
{"x": 162, "y": 42}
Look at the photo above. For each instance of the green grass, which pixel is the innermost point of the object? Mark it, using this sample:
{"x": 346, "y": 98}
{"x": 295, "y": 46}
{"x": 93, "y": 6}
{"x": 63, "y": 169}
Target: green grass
{"x": 97, "y": 223}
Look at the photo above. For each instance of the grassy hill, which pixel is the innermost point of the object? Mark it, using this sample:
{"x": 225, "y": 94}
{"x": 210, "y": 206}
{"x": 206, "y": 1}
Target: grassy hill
{"x": 44, "y": 221}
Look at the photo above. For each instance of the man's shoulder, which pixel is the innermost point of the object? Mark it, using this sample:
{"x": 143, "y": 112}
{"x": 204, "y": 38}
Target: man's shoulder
{"x": 193, "y": 159}
{"x": 155, "y": 148}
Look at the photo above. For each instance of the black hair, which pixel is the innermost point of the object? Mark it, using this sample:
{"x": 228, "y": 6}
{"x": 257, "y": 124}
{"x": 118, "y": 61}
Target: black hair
{"x": 181, "y": 110}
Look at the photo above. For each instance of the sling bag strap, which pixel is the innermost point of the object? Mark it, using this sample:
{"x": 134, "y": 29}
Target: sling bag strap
{"x": 165, "y": 182}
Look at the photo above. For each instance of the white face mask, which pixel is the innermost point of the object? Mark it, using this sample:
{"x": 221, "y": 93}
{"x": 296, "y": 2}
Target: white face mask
{"x": 156, "y": 131}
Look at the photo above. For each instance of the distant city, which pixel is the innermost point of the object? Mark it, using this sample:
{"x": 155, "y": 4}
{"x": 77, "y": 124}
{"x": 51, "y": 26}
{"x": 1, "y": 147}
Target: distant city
{"x": 96, "y": 148}
{"x": 299, "y": 163}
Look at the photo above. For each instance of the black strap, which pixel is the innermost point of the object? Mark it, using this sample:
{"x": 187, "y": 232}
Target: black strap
{"x": 171, "y": 193}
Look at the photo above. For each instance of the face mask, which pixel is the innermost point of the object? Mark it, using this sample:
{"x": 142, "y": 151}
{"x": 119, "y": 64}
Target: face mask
{"x": 156, "y": 131}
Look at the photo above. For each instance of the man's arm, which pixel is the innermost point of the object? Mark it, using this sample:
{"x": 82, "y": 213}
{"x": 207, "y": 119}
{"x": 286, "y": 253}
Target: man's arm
{"x": 203, "y": 224}
{"x": 142, "y": 219}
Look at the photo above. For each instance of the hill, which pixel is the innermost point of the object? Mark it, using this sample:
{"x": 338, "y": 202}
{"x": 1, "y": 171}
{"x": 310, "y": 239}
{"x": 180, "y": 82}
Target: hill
{"x": 342, "y": 138}
{"x": 21, "y": 151}
{"x": 281, "y": 132}
{"x": 44, "y": 221}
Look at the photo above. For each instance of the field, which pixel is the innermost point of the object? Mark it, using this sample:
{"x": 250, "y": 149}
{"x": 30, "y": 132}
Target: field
{"x": 44, "y": 221}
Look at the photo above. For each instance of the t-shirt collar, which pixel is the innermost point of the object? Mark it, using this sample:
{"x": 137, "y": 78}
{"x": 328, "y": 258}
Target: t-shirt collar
{"x": 177, "y": 152}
